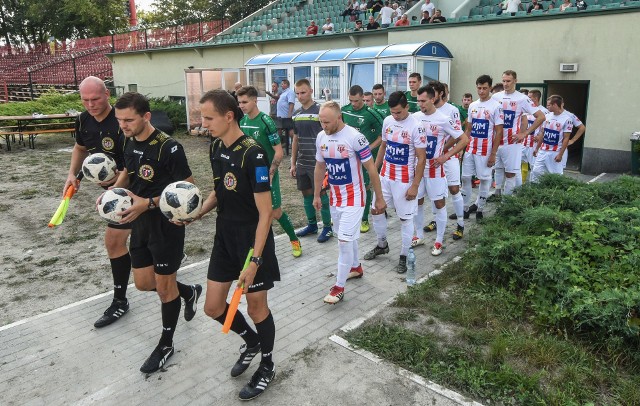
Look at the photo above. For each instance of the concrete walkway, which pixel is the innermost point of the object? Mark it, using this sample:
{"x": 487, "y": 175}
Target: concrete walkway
{"x": 58, "y": 358}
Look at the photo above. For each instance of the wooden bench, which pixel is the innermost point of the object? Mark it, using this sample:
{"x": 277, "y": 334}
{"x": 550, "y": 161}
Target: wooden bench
{"x": 26, "y": 127}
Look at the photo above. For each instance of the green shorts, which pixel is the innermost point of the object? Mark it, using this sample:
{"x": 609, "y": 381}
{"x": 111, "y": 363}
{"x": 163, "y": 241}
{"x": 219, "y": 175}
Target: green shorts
{"x": 276, "y": 198}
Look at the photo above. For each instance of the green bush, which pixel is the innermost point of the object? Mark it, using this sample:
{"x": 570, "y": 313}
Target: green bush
{"x": 177, "y": 112}
{"x": 570, "y": 251}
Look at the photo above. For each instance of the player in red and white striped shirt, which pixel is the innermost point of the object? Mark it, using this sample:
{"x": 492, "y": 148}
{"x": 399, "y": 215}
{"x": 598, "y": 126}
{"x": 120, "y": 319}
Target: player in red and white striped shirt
{"x": 509, "y": 156}
{"x": 484, "y": 129}
{"x": 341, "y": 151}
{"x": 403, "y": 163}
{"x": 438, "y": 130}
{"x": 529, "y": 143}
{"x": 553, "y": 139}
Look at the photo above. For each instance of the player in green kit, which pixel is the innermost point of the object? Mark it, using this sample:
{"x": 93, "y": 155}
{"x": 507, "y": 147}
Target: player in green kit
{"x": 415, "y": 82}
{"x": 261, "y": 127}
{"x": 379, "y": 103}
{"x": 369, "y": 123}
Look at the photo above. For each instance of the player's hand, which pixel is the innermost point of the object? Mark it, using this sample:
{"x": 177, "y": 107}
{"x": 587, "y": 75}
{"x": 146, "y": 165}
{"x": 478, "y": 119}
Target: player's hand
{"x": 247, "y": 276}
{"x": 535, "y": 152}
{"x": 520, "y": 137}
{"x": 139, "y": 206}
{"x": 440, "y": 160}
{"x": 317, "y": 203}
{"x": 558, "y": 158}
{"x": 412, "y": 192}
{"x": 491, "y": 161}
{"x": 379, "y": 206}
{"x": 292, "y": 171}
{"x": 98, "y": 200}
{"x": 110, "y": 182}
{"x": 71, "y": 181}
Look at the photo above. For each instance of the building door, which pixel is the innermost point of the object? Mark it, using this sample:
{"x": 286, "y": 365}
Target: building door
{"x": 576, "y": 97}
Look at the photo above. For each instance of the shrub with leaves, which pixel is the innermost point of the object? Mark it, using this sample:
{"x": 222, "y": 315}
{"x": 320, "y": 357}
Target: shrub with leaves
{"x": 570, "y": 250}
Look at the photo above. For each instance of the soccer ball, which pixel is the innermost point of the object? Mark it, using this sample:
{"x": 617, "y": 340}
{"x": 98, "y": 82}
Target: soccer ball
{"x": 181, "y": 201}
{"x": 99, "y": 168}
{"x": 112, "y": 203}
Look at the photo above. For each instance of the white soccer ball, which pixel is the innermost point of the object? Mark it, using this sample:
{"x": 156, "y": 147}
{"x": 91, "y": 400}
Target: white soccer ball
{"x": 112, "y": 203}
{"x": 181, "y": 201}
{"x": 99, "y": 168}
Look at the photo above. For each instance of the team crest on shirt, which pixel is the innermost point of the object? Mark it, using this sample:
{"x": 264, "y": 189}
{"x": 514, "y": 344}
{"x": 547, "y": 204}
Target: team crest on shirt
{"x": 323, "y": 148}
{"x": 434, "y": 129}
{"x": 388, "y": 131}
{"x": 230, "y": 181}
{"x": 360, "y": 120}
{"x": 342, "y": 149}
{"x": 404, "y": 134}
{"x": 107, "y": 143}
{"x": 557, "y": 125}
{"x": 146, "y": 172}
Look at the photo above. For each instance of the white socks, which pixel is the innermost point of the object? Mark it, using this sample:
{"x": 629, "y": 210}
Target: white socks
{"x": 418, "y": 221}
{"x": 458, "y": 205}
{"x": 380, "y": 227}
{"x": 345, "y": 260}
{"x": 407, "y": 235}
{"x": 441, "y": 223}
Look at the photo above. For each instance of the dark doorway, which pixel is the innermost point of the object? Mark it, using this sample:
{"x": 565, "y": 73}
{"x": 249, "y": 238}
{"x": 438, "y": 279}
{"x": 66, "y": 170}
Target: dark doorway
{"x": 576, "y": 97}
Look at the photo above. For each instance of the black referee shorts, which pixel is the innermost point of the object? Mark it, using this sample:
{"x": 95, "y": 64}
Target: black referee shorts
{"x": 156, "y": 241}
{"x": 125, "y": 226}
{"x": 230, "y": 248}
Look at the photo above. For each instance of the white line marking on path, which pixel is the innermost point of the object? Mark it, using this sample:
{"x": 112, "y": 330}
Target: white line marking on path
{"x": 597, "y": 177}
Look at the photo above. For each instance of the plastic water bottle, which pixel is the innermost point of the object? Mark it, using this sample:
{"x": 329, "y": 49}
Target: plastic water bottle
{"x": 411, "y": 268}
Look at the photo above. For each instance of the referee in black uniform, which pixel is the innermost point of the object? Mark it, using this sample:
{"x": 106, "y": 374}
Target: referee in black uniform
{"x": 97, "y": 130}
{"x": 242, "y": 198}
{"x": 152, "y": 161}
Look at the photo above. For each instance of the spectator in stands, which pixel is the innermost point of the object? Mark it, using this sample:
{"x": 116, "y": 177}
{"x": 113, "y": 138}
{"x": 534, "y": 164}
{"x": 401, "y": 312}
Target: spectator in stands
{"x": 428, "y": 7}
{"x": 510, "y": 6}
{"x": 284, "y": 111}
{"x": 348, "y": 11}
{"x": 373, "y": 24}
{"x": 532, "y": 6}
{"x": 565, "y": 5}
{"x": 385, "y": 16}
{"x": 425, "y": 18}
{"x": 312, "y": 29}
{"x": 437, "y": 17}
{"x": 397, "y": 13}
{"x": 358, "y": 26}
{"x": 376, "y": 6}
{"x": 581, "y": 5}
{"x": 403, "y": 21}
{"x": 274, "y": 95}
{"x": 328, "y": 27}
{"x": 537, "y": 6}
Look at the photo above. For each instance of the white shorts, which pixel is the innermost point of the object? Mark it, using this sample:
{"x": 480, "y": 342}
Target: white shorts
{"x": 527, "y": 156}
{"x": 422, "y": 189}
{"x": 452, "y": 171}
{"x": 476, "y": 165}
{"x": 436, "y": 188}
{"x": 546, "y": 163}
{"x": 564, "y": 158}
{"x": 346, "y": 222}
{"x": 394, "y": 194}
{"x": 509, "y": 158}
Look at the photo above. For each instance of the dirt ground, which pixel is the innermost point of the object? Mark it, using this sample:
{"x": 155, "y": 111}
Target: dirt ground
{"x": 43, "y": 268}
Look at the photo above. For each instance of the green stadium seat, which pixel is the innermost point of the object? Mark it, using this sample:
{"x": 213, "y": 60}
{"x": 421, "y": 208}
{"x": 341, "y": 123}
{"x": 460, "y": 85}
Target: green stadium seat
{"x": 452, "y": 20}
{"x": 464, "y": 18}
{"x": 485, "y": 3}
{"x": 476, "y": 11}
{"x": 571, "y": 10}
{"x": 612, "y": 5}
{"x": 553, "y": 11}
{"x": 491, "y": 16}
{"x": 537, "y": 12}
{"x": 487, "y": 10}
{"x": 633, "y": 3}
{"x": 477, "y": 18}
{"x": 594, "y": 7}
{"x": 521, "y": 14}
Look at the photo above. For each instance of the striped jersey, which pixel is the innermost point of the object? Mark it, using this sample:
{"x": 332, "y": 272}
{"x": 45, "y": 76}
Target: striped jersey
{"x": 306, "y": 126}
{"x": 262, "y": 129}
{"x": 402, "y": 138}
{"x": 343, "y": 153}
{"x": 555, "y": 127}
{"x": 514, "y": 105}
{"x": 483, "y": 117}
{"x": 530, "y": 141}
{"x": 453, "y": 113}
{"x": 438, "y": 129}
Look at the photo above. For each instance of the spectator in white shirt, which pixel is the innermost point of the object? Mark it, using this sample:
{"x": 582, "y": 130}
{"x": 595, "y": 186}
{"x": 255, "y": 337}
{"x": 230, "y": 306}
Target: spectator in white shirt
{"x": 328, "y": 27}
{"x": 428, "y": 6}
{"x": 385, "y": 16}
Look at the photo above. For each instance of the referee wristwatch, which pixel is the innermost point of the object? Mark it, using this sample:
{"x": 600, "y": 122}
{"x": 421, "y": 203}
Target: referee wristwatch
{"x": 152, "y": 204}
{"x": 256, "y": 260}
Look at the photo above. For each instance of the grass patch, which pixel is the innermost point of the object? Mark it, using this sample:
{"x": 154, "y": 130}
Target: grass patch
{"x": 4, "y": 207}
{"x": 27, "y": 194}
{"x": 48, "y": 262}
{"x": 536, "y": 313}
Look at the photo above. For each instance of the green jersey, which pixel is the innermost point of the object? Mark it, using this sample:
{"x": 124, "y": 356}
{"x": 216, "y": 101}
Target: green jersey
{"x": 463, "y": 113}
{"x": 383, "y": 109}
{"x": 366, "y": 120}
{"x": 262, "y": 129}
{"x": 413, "y": 102}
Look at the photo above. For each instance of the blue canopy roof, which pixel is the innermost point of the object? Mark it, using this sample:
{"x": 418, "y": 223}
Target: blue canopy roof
{"x": 430, "y": 48}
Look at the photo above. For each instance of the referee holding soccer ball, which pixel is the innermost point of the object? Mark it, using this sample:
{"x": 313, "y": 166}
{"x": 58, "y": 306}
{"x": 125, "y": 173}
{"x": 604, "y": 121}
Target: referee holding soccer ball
{"x": 242, "y": 198}
{"x": 152, "y": 161}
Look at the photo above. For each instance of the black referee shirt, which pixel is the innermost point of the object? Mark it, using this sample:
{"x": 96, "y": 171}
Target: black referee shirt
{"x": 101, "y": 136}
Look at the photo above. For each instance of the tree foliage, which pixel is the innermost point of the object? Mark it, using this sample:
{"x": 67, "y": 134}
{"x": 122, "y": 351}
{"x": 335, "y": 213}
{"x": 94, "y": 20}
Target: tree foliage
{"x": 31, "y": 22}
{"x": 170, "y": 12}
